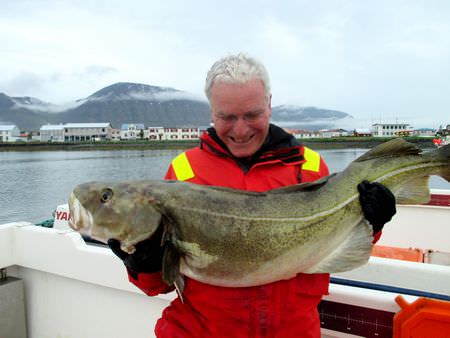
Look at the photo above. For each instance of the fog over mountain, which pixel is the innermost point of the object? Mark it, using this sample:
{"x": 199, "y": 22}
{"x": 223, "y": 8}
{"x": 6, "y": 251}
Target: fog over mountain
{"x": 311, "y": 118}
{"x": 151, "y": 105}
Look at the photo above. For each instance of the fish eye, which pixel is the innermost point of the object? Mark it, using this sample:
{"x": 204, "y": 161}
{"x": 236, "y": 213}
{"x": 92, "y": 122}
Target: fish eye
{"x": 106, "y": 195}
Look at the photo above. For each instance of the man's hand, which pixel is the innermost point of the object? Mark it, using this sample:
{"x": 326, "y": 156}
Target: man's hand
{"x": 147, "y": 257}
{"x": 377, "y": 203}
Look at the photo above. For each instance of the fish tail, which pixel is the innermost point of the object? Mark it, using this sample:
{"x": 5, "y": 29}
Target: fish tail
{"x": 416, "y": 190}
{"x": 444, "y": 153}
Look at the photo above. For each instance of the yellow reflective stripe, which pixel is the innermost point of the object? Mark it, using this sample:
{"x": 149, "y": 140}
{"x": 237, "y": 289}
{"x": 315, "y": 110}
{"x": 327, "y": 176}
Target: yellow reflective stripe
{"x": 312, "y": 160}
{"x": 182, "y": 167}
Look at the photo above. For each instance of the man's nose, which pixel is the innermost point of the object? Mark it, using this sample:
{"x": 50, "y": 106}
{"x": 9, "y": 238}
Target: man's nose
{"x": 240, "y": 127}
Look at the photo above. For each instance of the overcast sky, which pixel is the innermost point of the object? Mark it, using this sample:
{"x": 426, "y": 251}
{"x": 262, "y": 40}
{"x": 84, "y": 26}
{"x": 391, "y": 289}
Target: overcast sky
{"x": 380, "y": 61}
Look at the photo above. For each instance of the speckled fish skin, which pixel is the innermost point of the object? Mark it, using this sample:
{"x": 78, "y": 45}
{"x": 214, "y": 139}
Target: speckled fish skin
{"x": 237, "y": 238}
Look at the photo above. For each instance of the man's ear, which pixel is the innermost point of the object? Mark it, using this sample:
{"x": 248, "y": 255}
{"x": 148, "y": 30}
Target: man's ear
{"x": 212, "y": 118}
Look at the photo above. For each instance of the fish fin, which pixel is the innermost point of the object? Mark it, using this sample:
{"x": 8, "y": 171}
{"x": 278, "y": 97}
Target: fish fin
{"x": 306, "y": 186}
{"x": 444, "y": 152}
{"x": 170, "y": 264}
{"x": 393, "y": 147}
{"x": 179, "y": 286}
{"x": 171, "y": 270}
{"x": 445, "y": 173}
{"x": 165, "y": 238}
{"x": 414, "y": 191}
{"x": 171, "y": 261}
{"x": 353, "y": 252}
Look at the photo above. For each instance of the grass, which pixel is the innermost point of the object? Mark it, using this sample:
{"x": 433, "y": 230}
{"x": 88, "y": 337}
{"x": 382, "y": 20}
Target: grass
{"x": 318, "y": 143}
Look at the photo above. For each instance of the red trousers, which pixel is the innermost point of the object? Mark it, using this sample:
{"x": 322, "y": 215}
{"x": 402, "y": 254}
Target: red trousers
{"x": 274, "y": 310}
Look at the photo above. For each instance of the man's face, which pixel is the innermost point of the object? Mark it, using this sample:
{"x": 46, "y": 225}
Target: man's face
{"x": 241, "y": 114}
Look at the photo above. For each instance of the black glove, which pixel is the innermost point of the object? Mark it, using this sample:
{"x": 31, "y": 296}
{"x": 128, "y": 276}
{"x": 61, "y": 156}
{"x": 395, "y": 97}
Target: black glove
{"x": 147, "y": 257}
{"x": 377, "y": 203}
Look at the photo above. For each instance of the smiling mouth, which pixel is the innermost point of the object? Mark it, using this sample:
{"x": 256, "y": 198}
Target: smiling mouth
{"x": 241, "y": 141}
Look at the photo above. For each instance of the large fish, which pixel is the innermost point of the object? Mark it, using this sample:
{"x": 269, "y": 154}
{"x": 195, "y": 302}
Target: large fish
{"x": 238, "y": 238}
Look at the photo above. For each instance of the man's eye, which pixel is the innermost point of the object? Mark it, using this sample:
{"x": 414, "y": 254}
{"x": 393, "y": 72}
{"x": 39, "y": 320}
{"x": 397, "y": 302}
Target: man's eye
{"x": 228, "y": 118}
{"x": 253, "y": 116}
{"x": 106, "y": 195}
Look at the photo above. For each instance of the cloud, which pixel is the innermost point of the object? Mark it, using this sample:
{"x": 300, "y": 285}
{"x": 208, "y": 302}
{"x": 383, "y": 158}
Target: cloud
{"x": 283, "y": 38}
{"x": 91, "y": 71}
{"x": 49, "y": 107}
{"x": 167, "y": 96}
{"x": 23, "y": 83}
{"x": 389, "y": 57}
{"x": 60, "y": 87}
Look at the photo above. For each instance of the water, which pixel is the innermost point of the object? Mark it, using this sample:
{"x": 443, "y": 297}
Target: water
{"x": 34, "y": 183}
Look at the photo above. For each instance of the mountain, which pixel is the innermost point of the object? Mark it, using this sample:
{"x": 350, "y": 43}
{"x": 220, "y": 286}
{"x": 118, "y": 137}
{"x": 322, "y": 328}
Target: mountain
{"x": 138, "y": 103}
{"x": 119, "y": 103}
{"x": 31, "y": 103}
{"x": 13, "y": 113}
{"x": 311, "y": 118}
{"x": 151, "y": 105}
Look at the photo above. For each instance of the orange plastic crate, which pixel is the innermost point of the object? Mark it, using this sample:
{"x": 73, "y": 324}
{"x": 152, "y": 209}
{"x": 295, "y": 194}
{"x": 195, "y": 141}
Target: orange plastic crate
{"x": 421, "y": 319}
{"x": 404, "y": 254}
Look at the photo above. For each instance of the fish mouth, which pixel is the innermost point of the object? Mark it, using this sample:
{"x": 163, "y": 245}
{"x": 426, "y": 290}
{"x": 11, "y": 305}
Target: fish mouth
{"x": 80, "y": 218}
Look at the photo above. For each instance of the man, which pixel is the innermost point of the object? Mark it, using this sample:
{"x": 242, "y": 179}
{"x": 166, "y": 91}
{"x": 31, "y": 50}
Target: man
{"x": 244, "y": 151}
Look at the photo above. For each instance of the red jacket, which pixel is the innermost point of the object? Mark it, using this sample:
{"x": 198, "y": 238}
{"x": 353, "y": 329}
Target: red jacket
{"x": 286, "y": 308}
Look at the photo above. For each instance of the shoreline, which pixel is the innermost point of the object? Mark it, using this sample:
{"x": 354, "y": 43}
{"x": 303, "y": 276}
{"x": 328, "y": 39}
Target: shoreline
{"x": 332, "y": 143}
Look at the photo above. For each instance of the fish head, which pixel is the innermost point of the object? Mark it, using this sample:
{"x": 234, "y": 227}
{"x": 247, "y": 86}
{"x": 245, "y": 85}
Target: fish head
{"x": 124, "y": 211}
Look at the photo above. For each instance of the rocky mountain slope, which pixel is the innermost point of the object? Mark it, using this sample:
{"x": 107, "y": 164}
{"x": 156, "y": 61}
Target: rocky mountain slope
{"x": 140, "y": 103}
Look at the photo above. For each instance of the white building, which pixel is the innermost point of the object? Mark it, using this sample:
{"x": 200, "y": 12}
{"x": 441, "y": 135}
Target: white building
{"x": 132, "y": 131}
{"x": 162, "y": 133}
{"x": 87, "y": 131}
{"x": 329, "y": 133}
{"x": 424, "y": 132}
{"x": 300, "y": 134}
{"x": 390, "y": 129}
{"x": 115, "y": 134}
{"x": 9, "y": 133}
{"x": 362, "y": 132}
{"x": 156, "y": 133}
{"x": 52, "y": 133}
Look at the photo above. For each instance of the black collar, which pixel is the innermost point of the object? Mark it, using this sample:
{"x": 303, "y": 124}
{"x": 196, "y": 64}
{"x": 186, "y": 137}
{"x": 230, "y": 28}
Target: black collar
{"x": 276, "y": 139}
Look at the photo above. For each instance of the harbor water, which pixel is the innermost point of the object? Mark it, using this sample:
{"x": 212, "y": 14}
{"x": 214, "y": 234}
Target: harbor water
{"x": 34, "y": 183}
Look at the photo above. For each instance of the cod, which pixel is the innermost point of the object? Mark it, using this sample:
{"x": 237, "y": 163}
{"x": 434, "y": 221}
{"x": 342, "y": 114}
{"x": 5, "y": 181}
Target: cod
{"x": 237, "y": 238}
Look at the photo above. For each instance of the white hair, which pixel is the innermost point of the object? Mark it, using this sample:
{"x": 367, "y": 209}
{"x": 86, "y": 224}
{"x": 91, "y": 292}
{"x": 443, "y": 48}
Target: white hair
{"x": 238, "y": 68}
